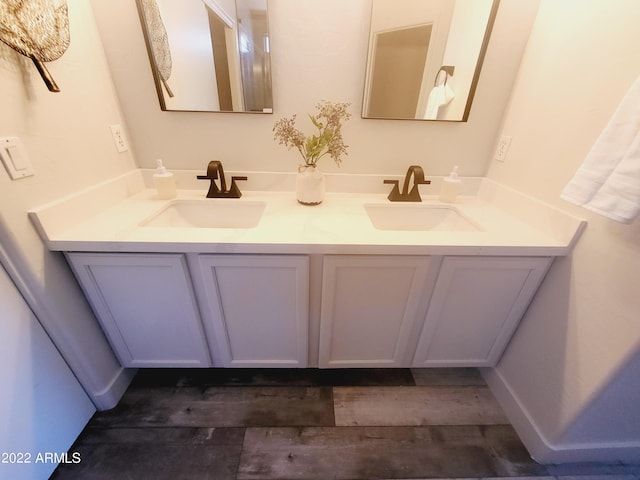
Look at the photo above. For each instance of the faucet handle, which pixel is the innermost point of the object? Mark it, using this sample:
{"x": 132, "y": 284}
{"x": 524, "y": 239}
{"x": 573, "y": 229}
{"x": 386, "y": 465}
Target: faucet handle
{"x": 394, "y": 195}
{"x": 213, "y": 188}
{"x": 234, "y": 191}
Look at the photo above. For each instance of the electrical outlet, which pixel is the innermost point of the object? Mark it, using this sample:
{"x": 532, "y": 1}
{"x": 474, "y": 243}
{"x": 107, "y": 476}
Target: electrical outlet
{"x": 502, "y": 148}
{"x": 118, "y": 138}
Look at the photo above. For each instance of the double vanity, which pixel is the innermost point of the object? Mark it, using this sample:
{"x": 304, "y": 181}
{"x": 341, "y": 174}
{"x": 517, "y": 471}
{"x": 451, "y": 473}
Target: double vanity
{"x": 261, "y": 281}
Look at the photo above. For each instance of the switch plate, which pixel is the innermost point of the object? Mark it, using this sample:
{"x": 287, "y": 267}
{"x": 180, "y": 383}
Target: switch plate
{"x": 502, "y": 148}
{"x": 118, "y": 138}
{"x": 15, "y": 158}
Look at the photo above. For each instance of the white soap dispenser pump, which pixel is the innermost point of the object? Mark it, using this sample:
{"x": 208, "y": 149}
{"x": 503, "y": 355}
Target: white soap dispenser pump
{"x": 450, "y": 187}
{"x": 164, "y": 182}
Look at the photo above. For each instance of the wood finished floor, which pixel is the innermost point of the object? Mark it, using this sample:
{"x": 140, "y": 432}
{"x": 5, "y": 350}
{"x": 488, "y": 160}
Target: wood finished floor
{"x": 236, "y": 424}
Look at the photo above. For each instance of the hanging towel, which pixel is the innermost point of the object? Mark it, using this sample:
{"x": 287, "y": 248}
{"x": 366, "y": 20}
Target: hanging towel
{"x": 440, "y": 96}
{"x": 608, "y": 181}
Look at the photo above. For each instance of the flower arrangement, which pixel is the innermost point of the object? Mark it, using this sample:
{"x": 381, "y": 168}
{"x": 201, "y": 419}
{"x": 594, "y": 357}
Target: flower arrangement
{"x": 327, "y": 139}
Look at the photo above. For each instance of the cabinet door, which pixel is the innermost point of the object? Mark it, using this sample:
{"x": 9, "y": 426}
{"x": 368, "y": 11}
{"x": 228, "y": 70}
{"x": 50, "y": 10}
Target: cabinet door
{"x": 475, "y": 308}
{"x": 146, "y": 307}
{"x": 256, "y": 309}
{"x": 370, "y": 305}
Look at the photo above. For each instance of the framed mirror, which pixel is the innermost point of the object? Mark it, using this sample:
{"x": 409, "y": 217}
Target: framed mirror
{"x": 209, "y": 55}
{"x": 425, "y": 58}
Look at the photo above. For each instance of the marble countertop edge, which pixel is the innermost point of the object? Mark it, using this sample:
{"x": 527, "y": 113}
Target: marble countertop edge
{"x": 111, "y": 218}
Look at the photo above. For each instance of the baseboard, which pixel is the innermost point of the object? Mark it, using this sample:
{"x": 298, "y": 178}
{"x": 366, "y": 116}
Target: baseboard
{"x": 539, "y": 447}
{"x": 109, "y": 397}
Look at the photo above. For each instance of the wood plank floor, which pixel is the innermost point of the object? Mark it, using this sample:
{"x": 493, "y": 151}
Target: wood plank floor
{"x": 239, "y": 424}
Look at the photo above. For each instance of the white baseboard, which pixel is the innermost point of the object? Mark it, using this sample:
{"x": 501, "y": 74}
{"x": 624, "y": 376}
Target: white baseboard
{"x": 539, "y": 447}
{"x": 109, "y": 397}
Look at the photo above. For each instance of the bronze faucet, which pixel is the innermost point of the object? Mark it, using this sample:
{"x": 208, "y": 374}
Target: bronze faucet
{"x": 215, "y": 170}
{"x": 417, "y": 173}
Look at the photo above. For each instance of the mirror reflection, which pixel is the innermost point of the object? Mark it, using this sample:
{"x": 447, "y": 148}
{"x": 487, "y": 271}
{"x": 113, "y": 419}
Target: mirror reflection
{"x": 209, "y": 55}
{"x": 425, "y": 57}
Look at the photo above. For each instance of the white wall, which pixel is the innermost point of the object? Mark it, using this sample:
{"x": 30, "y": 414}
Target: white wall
{"x": 570, "y": 375}
{"x": 319, "y": 50}
{"x": 43, "y": 407}
{"x": 68, "y": 140}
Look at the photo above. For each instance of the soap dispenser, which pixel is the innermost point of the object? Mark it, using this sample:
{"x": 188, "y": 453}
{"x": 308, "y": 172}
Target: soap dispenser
{"x": 164, "y": 182}
{"x": 450, "y": 187}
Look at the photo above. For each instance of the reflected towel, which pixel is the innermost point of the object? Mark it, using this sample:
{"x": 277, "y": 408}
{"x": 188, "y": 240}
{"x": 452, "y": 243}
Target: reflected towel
{"x": 440, "y": 96}
{"x": 608, "y": 182}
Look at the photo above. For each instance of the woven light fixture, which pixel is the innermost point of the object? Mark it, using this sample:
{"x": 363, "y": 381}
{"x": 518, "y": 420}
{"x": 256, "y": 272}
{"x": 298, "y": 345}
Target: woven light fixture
{"x": 38, "y": 29}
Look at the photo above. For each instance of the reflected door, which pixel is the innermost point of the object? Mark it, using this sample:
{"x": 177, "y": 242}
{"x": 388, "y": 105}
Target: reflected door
{"x": 399, "y": 61}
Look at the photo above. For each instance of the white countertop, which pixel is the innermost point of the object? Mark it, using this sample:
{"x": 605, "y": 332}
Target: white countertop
{"x": 108, "y": 218}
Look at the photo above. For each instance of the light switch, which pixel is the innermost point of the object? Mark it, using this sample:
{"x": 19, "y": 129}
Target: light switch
{"x": 15, "y": 158}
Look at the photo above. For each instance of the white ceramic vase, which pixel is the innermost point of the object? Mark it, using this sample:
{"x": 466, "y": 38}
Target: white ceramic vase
{"x": 310, "y": 185}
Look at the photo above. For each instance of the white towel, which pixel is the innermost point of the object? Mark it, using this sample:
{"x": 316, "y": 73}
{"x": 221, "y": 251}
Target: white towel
{"x": 608, "y": 182}
{"x": 440, "y": 95}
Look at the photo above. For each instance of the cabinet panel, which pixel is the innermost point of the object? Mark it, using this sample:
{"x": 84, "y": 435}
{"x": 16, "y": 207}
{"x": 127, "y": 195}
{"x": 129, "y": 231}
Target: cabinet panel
{"x": 256, "y": 308}
{"x": 475, "y": 308}
{"x": 370, "y": 305}
{"x": 146, "y": 307}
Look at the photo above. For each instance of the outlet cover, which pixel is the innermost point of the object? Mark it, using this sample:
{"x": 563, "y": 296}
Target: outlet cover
{"x": 118, "y": 138}
{"x": 502, "y": 148}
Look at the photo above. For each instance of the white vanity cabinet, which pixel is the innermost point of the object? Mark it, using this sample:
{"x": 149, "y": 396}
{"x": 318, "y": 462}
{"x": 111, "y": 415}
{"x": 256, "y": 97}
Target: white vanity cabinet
{"x": 372, "y": 307}
{"x": 250, "y": 310}
{"x": 146, "y": 306}
{"x": 255, "y": 308}
{"x": 476, "y": 305}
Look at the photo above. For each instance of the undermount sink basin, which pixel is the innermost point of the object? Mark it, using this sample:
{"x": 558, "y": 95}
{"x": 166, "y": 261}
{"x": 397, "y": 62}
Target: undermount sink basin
{"x": 208, "y": 213}
{"x": 418, "y": 217}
